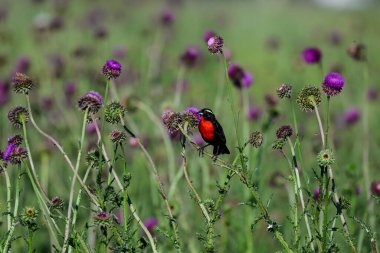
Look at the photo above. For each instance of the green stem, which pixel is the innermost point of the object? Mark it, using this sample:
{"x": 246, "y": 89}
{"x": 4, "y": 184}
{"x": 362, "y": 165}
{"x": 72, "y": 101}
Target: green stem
{"x": 300, "y": 193}
{"x": 8, "y": 185}
{"x": 72, "y": 188}
{"x": 327, "y": 122}
{"x": 125, "y": 221}
{"x": 325, "y": 210}
{"x": 36, "y": 187}
{"x": 101, "y": 138}
{"x": 30, "y": 241}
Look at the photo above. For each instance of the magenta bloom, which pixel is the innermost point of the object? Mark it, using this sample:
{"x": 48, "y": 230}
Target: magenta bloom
{"x": 312, "y": 55}
{"x": 167, "y": 17}
{"x": 112, "y": 69}
{"x": 150, "y": 223}
{"x": 351, "y": 115}
{"x": 208, "y": 35}
{"x": 8, "y": 151}
{"x": 333, "y": 83}
{"x": 254, "y": 112}
{"x": 316, "y": 193}
{"x": 191, "y": 56}
{"x": 372, "y": 94}
{"x": 375, "y": 187}
{"x": 239, "y": 77}
{"x": 193, "y": 110}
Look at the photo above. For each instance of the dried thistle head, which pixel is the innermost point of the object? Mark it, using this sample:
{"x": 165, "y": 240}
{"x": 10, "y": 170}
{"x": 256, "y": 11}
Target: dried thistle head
{"x": 284, "y": 91}
{"x": 256, "y": 139}
{"x": 113, "y": 112}
{"x": 22, "y": 83}
{"x": 284, "y": 132}
{"x": 309, "y": 97}
{"x": 92, "y": 101}
{"x": 172, "y": 120}
{"x": 17, "y": 115}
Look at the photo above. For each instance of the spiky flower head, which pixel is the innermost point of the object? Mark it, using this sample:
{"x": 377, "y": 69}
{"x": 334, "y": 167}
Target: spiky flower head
{"x": 17, "y": 115}
{"x": 172, "y": 121}
{"x": 278, "y": 144}
{"x": 118, "y": 137}
{"x": 208, "y": 34}
{"x": 112, "y": 69}
{"x": 284, "y": 91}
{"x": 15, "y": 140}
{"x": 256, "y": 139}
{"x": 22, "y": 83}
{"x": 103, "y": 218}
{"x": 333, "y": 83}
{"x": 308, "y": 97}
{"x": 239, "y": 77}
{"x": 28, "y": 217}
{"x": 91, "y": 100}
{"x": 17, "y": 155}
{"x": 56, "y": 203}
{"x": 215, "y": 44}
{"x": 114, "y": 112}
{"x": 284, "y": 132}
{"x": 191, "y": 117}
{"x": 375, "y": 188}
{"x": 357, "y": 51}
{"x": 325, "y": 158}
{"x": 93, "y": 158}
{"x": 311, "y": 55}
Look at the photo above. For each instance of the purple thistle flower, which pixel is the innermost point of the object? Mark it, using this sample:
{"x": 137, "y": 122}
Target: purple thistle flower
{"x": 15, "y": 140}
{"x": 239, "y": 77}
{"x": 191, "y": 56}
{"x": 254, "y": 112}
{"x": 112, "y": 69}
{"x": 92, "y": 100}
{"x": 333, "y": 83}
{"x": 375, "y": 187}
{"x": 194, "y": 111}
{"x": 351, "y": 115}
{"x": 316, "y": 193}
{"x": 372, "y": 94}
{"x": 167, "y": 17}
{"x": 150, "y": 223}
{"x": 102, "y": 215}
{"x": 215, "y": 44}
{"x": 8, "y": 151}
{"x": 312, "y": 55}
{"x": 208, "y": 34}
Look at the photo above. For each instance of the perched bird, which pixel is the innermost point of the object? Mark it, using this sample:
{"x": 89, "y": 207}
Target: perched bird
{"x": 212, "y": 132}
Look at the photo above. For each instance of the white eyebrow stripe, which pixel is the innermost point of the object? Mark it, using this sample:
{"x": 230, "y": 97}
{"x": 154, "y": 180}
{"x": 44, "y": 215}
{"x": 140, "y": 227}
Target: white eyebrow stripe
{"x": 208, "y": 111}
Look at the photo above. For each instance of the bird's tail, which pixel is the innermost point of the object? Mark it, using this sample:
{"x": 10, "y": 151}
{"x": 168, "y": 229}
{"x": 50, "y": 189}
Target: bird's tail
{"x": 221, "y": 149}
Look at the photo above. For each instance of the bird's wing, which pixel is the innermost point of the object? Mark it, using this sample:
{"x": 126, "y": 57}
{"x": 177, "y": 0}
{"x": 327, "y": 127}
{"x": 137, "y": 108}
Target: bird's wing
{"x": 219, "y": 132}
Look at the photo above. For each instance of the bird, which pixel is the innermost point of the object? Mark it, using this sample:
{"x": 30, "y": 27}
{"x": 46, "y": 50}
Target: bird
{"x": 212, "y": 132}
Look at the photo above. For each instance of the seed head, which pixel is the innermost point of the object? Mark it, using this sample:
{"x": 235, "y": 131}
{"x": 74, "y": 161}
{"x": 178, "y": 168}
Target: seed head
{"x": 278, "y": 144}
{"x": 113, "y": 112}
{"x": 17, "y": 115}
{"x": 325, "y": 158}
{"x": 333, "y": 83}
{"x": 22, "y": 83}
{"x": 17, "y": 155}
{"x": 357, "y": 51}
{"x": 311, "y": 55}
{"x": 103, "y": 218}
{"x": 172, "y": 121}
{"x": 215, "y": 45}
{"x": 284, "y": 91}
{"x": 91, "y": 100}
{"x": 239, "y": 77}
{"x": 15, "y": 140}
{"x": 284, "y": 132}
{"x": 112, "y": 69}
{"x": 56, "y": 203}
{"x": 256, "y": 139}
{"x": 307, "y": 97}
{"x": 118, "y": 137}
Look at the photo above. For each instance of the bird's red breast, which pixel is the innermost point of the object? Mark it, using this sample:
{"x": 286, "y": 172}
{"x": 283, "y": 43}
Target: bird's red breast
{"x": 206, "y": 128}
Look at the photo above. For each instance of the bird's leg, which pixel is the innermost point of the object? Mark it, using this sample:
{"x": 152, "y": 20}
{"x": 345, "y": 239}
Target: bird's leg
{"x": 201, "y": 149}
{"x": 215, "y": 153}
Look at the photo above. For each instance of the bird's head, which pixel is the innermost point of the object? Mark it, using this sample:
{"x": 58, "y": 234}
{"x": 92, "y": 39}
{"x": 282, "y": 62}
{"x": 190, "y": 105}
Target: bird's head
{"x": 206, "y": 114}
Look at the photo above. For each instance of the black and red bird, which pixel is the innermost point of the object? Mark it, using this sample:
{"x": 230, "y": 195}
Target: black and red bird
{"x": 212, "y": 132}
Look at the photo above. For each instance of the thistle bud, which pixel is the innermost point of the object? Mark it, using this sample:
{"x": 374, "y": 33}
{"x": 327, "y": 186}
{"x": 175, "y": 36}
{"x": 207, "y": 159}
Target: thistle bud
{"x": 309, "y": 97}
{"x": 325, "y": 158}
{"x": 22, "y": 83}
{"x": 284, "y": 91}
{"x": 114, "y": 112}
{"x": 284, "y": 132}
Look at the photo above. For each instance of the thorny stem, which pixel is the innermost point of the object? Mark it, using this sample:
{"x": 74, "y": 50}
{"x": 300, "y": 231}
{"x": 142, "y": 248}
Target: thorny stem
{"x": 159, "y": 184}
{"x": 129, "y": 202}
{"x": 326, "y": 200}
{"x": 299, "y": 188}
{"x": 72, "y": 188}
{"x": 257, "y": 199}
{"x": 184, "y": 167}
{"x": 55, "y": 142}
{"x": 15, "y": 210}
{"x": 41, "y": 201}
{"x": 327, "y": 122}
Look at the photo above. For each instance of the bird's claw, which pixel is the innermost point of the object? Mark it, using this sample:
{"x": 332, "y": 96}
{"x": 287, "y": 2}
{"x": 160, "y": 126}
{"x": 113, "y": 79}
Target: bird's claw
{"x": 201, "y": 151}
